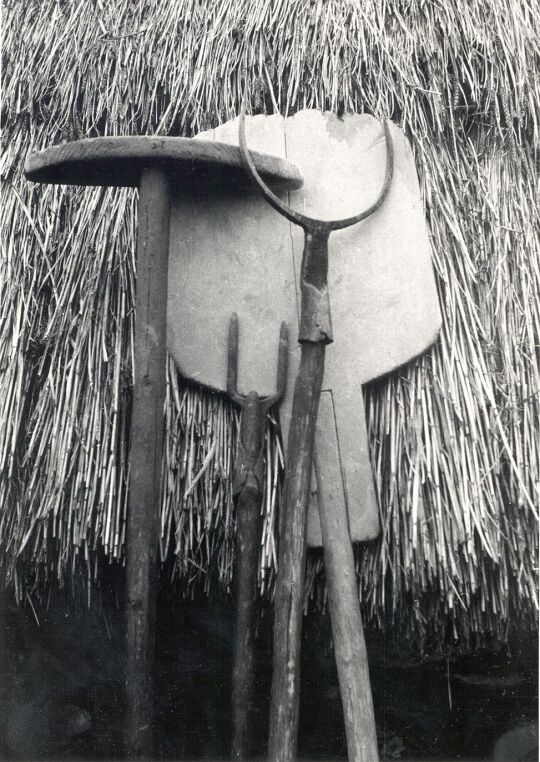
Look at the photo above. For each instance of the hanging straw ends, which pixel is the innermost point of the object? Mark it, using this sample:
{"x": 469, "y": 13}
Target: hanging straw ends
{"x": 71, "y": 415}
{"x": 454, "y": 436}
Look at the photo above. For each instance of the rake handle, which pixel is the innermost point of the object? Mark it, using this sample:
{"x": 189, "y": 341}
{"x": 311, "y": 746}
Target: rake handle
{"x": 289, "y": 597}
{"x": 347, "y": 629}
{"x": 145, "y": 455}
{"x": 351, "y": 657}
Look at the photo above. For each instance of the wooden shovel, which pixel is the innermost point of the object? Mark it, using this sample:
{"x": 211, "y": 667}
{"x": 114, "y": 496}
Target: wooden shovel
{"x": 161, "y": 168}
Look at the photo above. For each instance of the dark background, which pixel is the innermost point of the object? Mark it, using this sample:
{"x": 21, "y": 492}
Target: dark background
{"x": 61, "y": 687}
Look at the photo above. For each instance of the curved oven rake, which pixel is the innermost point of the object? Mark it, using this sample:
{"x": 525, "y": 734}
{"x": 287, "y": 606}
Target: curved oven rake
{"x": 314, "y": 334}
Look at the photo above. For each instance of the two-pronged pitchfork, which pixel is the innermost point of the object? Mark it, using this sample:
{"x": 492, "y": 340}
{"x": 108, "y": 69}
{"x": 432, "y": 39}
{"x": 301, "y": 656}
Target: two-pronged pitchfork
{"x": 314, "y": 334}
{"x": 248, "y": 492}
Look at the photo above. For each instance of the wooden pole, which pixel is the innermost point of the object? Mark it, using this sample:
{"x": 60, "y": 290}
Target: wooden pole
{"x": 248, "y": 492}
{"x": 145, "y": 455}
{"x": 289, "y": 600}
{"x": 243, "y": 676}
{"x": 343, "y": 601}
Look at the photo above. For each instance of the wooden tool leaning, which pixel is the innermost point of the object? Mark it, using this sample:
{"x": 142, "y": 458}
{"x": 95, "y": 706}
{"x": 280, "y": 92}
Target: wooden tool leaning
{"x": 384, "y": 311}
{"x": 351, "y": 658}
{"x": 159, "y": 167}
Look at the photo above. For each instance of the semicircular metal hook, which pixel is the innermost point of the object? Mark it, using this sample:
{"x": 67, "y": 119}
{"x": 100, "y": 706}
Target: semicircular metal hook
{"x": 311, "y": 223}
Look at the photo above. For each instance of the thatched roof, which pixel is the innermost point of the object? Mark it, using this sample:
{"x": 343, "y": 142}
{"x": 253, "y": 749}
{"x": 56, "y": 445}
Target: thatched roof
{"x": 454, "y": 435}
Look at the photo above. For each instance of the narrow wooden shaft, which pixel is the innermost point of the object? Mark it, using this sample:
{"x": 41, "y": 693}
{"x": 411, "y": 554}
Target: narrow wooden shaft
{"x": 145, "y": 456}
{"x": 243, "y": 677}
{"x": 347, "y": 630}
{"x": 289, "y": 597}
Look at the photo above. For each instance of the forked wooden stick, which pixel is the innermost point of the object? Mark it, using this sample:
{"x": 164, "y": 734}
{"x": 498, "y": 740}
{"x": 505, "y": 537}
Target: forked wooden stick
{"x": 248, "y": 491}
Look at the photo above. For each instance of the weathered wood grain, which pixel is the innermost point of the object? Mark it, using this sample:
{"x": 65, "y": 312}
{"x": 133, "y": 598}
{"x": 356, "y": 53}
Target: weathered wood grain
{"x": 145, "y": 456}
{"x": 248, "y": 537}
{"x": 343, "y": 602}
{"x": 289, "y": 596}
{"x": 120, "y": 161}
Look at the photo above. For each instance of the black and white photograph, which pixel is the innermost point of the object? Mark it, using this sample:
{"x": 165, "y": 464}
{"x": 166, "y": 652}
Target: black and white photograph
{"x": 269, "y": 380}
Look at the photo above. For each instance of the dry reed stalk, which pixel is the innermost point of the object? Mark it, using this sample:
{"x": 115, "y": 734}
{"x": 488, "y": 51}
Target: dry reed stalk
{"x": 454, "y": 435}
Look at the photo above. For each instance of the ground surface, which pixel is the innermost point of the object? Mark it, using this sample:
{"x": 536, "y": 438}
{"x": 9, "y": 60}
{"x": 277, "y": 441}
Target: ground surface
{"x": 61, "y": 688}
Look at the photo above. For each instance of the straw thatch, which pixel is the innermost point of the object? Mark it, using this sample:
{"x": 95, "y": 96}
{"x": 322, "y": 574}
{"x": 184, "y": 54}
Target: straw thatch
{"x": 454, "y": 436}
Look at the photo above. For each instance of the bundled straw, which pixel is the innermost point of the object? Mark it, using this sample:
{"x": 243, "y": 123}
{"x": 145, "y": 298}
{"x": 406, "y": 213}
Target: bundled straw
{"x": 454, "y": 435}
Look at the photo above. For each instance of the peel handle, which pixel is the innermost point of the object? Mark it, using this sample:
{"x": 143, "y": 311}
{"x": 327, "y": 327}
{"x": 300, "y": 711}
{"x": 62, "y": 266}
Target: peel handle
{"x": 289, "y": 599}
{"x": 347, "y": 630}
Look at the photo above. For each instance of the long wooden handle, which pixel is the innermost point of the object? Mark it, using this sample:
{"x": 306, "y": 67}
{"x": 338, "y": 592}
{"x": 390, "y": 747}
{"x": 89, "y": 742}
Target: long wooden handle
{"x": 145, "y": 456}
{"x": 243, "y": 675}
{"x": 347, "y": 631}
{"x": 289, "y": 597}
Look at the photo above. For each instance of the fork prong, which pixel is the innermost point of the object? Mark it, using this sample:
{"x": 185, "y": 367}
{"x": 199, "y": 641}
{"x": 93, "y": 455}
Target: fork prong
{"x": 283, "y": 361}
{"x": 283, "y": 364}
{"x": 232, "y": 357}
